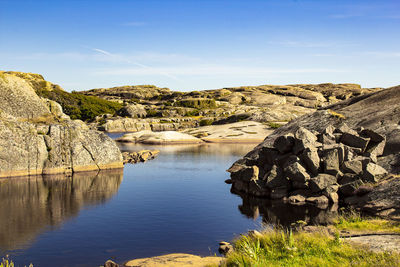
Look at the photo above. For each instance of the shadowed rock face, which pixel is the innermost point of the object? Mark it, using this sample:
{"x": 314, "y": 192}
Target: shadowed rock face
{"x": 379, "y": 111}
{"x": 29, "y": 205}
{"x": 37, "y": 138}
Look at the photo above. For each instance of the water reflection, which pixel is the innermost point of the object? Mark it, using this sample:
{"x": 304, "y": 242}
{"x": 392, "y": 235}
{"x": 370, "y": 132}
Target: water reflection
{"x": 31, "y": 204}
{"x": 276, "y": 212}
{"x": 205, "y": 149}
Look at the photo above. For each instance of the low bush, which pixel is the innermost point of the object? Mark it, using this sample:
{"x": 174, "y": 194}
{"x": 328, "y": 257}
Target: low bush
{"x": 80, "y": 106}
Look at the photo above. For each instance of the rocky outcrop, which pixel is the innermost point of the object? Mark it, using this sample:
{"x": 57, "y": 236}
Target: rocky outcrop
{"x": 243, "y": 131}
{"x": 312, "y": 167}
{"x": 118, "y": 124}
{"x": 265, "y": 103}
{"x": 140, "y": 156}
{"x": 37, "y": 138}
{"x": 166, "y": 137}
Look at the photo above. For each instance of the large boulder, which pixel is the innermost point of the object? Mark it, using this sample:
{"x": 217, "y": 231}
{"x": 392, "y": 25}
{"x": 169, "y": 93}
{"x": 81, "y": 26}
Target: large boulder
{"x": 37, "y": 138}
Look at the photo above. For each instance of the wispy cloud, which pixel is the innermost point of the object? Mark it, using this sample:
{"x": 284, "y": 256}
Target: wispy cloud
{"x": 134, "y": 24}
{"x": 142, "y": 66}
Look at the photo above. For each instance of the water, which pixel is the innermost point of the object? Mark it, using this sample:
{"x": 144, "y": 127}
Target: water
{"x": 175, "y": 203}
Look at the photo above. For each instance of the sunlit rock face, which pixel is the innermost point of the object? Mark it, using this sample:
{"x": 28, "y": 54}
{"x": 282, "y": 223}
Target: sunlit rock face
{"x": 36, "y": 137}
{"x": 30, "y": 205}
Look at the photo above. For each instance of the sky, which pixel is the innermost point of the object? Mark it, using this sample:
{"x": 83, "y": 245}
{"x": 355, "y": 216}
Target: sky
{"x": 202, "y": 44}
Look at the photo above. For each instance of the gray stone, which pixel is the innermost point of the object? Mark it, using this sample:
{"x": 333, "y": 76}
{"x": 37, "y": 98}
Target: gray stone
{"x": 110, "y": 263}
{"x": 318, "y": 200}
{"x": 354, "y": 141}
{"x": 296, "y": 199}
{"x": 303, "y": 139}
{"x": 349, "y": 188}
{"x": 311, "y": 160}
{"x": 330, "y": 161}
{"x": 225, "y": 248}
{"x": 245, "y": 173}
{"x": 348, "y": 178}
{"x": 133, "y": 111}
{"x": 353, "y": 167}
{"x": 373, "y": 173}
{"x": 321, "y": 182}
{"x": 284, "y": 143}
{"x": 258, "y": 188}
{"x": 297, "y": 173}
{"x": 275, "y": 178}
{"x": 345, "y": 129}
{"x": 269, "y": 154}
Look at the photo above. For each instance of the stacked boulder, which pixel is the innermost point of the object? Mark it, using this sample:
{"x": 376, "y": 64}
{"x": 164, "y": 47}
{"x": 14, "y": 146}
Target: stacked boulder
{"x": 312, "y": 167}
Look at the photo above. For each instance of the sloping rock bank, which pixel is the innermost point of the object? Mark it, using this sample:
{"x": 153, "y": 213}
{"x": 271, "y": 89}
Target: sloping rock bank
{"x": 37, "y": 138}
{"x": 307, "y": 167}
{"x": 176, "y": 259}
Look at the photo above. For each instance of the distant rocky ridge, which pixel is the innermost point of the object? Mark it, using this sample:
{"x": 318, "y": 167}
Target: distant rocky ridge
{"x": 379, "y": 112}
{"x": 36, "y": 137}
{"x": 148, "y": 107}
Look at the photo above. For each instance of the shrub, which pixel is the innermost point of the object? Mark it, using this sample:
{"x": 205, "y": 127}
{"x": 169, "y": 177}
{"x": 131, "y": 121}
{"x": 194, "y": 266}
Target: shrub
{"x": 80, "y": 106}
{"x": 206, "y": 122}
{"x": 199, "y": 103}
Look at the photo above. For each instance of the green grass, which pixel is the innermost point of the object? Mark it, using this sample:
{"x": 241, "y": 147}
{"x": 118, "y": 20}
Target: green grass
{"x": 352, "y": 221}
{"x": 282, "y": 248}
{"x": 6, "y": 262}
{"x": 274, "y": 125}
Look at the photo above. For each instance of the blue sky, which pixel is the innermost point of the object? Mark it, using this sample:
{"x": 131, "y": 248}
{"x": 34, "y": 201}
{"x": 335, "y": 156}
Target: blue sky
{"x": 202, "y": 44}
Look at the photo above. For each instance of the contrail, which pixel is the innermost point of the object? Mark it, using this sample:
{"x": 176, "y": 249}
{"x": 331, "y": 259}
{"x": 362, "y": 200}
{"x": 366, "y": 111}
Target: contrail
{"x": 135, "y": 63}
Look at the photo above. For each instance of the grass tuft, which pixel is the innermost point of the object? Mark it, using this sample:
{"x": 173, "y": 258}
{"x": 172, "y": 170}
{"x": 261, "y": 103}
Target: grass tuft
{"x": 285, "y": 248}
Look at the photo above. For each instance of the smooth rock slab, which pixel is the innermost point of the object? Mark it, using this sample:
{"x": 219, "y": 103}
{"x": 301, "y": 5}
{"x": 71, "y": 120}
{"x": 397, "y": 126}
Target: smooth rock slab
{"x": 176, "y": 260}
{"x": 167, "y": 137}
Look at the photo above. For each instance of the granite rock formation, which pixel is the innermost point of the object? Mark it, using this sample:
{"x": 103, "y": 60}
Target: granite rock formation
{"x": 37, "y": 138}
{"x": 313, "y": 167}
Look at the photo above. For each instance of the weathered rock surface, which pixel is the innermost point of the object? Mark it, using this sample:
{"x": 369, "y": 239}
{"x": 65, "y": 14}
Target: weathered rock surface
{"x": 265, "y": 103}
{"x": 37, "y": 138}
{"x": 166, "y": 137}
{"x": 140, "y": 156}
{"x": 176, "y": 259}
{"x": 244, "y": 131}
{"x": 300, "y": 169}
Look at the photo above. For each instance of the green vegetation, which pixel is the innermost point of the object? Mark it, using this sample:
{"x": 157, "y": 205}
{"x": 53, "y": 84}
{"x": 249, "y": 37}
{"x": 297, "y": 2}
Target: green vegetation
{"x": 352, "y": 221}
{"x": 274, "y": 125}
{"x": 336, "y": 114}
{"x": 79, "y": 106}
{"x": 6, "y": 262}
{"x": 285, "y": 248}
{"x": 153, "y": 113}
{"x": 206, "y": 122}
{"x": 192, "y": 113}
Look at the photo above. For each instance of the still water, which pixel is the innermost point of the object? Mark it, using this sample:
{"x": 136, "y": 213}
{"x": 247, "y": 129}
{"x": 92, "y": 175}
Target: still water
{"x": 175, "y": 203}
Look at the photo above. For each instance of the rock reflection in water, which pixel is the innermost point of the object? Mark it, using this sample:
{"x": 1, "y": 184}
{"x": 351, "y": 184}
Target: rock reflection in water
{"x": 28, "y": 205}
{"x": 276, "y": 212}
